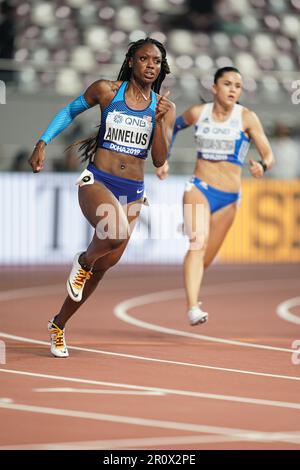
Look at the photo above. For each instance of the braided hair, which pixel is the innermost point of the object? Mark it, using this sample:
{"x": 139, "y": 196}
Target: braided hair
{"x": 88, "y": 146}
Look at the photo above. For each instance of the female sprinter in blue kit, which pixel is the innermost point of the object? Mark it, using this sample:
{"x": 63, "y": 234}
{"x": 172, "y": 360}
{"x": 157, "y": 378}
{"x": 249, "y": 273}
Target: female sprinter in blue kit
{"x": 223, "y": 131}
{"x": 133, "y": 119}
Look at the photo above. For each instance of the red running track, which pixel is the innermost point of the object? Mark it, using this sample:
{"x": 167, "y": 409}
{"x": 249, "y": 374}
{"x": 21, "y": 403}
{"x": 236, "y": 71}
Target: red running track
{"x": 145, "y": 379}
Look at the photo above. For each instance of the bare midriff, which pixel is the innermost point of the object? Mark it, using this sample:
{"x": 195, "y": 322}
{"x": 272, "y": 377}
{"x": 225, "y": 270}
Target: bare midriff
{"x": 118, "y": 164}
{"x": 221, "y": 175}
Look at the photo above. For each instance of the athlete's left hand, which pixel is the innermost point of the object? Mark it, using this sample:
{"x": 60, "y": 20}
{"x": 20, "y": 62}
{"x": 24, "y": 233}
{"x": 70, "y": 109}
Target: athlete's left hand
{"x": 256, "y": 169}
{"x": 162, "y": 107}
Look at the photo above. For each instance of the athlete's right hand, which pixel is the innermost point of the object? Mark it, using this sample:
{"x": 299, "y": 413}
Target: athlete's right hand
{"x": 37, "y": 157}
{"x": 163, "y": 171}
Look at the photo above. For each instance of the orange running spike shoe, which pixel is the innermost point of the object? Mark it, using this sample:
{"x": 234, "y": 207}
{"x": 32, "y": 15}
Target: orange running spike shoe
{"x": 77, "y": 280}
{"x": 58, "y": 343}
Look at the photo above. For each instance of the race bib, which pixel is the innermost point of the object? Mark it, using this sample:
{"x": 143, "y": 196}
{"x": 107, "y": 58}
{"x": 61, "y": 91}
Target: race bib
{"x": 129, "y": 131}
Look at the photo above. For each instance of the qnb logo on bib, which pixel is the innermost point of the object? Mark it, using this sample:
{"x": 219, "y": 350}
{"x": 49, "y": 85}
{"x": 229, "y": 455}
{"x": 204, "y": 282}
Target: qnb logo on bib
{"x": 215, "y": 131}
{"x": 219, "y": 131}
{"x": 118, "y": 118}
{"x": 132, "y": 131}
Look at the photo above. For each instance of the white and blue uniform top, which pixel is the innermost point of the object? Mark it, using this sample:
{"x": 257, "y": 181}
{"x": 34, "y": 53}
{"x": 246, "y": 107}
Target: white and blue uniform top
{"x": 221, "y": 141}
{"x": 125, "y": 130}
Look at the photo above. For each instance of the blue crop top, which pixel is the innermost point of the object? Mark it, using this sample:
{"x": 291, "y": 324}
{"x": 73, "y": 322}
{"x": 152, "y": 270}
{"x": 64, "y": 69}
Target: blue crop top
{"x": 126, "y": 130}
{"x": 221, "y": 141}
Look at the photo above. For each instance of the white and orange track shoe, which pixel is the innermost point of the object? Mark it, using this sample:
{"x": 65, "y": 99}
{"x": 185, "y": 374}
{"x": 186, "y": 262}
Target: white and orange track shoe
{"x": 77, "y": 279}
{"x": 196, "y": 315}
{"x": 58, "y": 342}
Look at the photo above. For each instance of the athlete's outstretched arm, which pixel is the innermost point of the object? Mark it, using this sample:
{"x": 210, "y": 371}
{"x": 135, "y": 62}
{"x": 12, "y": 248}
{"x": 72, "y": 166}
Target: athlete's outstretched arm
{"x": 187, "y": 119}
{"x": 165, "y": 118}
{"x": 261, "y": 142}
{"x": 65, "y": 117}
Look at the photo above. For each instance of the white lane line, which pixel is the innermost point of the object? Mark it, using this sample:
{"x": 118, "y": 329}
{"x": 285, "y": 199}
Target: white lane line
{"x": 170, "y": 391}
{"x": 121, "y": 312}
{"x": 283, "y": 310}
{"x": 6, "y": 400}
{"x": 121, "y": 309}
{"x": 95, "y": 391}
{"x": 155, "y": 442}
{"x": 160, "y": 361}
{"x": 254, "y": 436}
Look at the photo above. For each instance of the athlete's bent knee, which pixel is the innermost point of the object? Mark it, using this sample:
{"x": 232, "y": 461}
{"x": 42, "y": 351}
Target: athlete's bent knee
{"x": 114, "y": 234}
{"x": 198, "y": 244}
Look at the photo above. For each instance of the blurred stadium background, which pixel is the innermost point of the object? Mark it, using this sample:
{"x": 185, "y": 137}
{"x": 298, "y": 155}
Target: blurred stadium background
{"x": 51, "y": 51}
